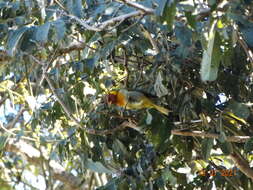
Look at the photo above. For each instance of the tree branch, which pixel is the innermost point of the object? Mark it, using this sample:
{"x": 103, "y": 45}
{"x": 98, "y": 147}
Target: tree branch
{"x": 150, "y": 38}
{"x": 83, "y": 23}
{"x": 245, "y": 48}
{"x": 15, "y": 120}
{"x": 242, "y": 164}
{"x": 102, "y": 26}
{"x": 66, "y": 110}
{"x": 34, "y": 156}
{"x": 72, "y": 47}
{"x": 122, "y": 126}
{"x": 238, "y": 139}
{"x": 137, "y": 6}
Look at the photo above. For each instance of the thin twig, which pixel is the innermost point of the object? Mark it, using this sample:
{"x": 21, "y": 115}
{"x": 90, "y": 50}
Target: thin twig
{"x": 5, "y": 97}
{"x": 66, "y": 110}
{"x": 132, "y": 25}
{"x": 14, "y": 134}
{"x": 150, "y": 38}
{"x": 35, "y": 59}
{"x": 33, "y": 156}
{"x": 102, "y": 26}
{"x": 15, "y": 120}
{"x": 126, "y": 68}
{"x": 83, "y": 23}
{"x": 43, "y": 169}
{"x": 60, "y": 5}
{"x": 137, "y": 6}
{"x": 238, "y": 139}
{"x": 122, "y": 126}
{"x": 120, "y": 18}
{"x": 46, "y": 66}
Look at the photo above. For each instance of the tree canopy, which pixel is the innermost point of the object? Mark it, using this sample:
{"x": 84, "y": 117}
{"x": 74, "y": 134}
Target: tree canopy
{"x": 60, "y": 58}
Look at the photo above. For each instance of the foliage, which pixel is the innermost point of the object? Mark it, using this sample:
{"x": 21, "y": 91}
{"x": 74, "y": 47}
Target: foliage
{"x": 60, "y": 58}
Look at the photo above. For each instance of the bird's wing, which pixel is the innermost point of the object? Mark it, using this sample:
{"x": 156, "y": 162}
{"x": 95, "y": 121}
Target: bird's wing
{"x": 135, "y": 100}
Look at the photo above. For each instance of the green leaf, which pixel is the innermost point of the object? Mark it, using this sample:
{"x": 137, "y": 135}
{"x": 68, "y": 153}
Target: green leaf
{"x": 247, "y": 34}
{"x": 183, "y": 35}
{"x": 98, "y": 167}
{"x": 14, "y": 39}
{"x": 226, "y": 148}
{"x": 77, "y": 8}
{"x": 27, "y": 43}
{"x": 211, "y": 56}
{"x": 211, "y": 2}
{"x": 106, "y": 50}
{"x": 92, "y": 39}
{"x": 167, "y": 175}
{"x": 89, "y": 64}
{"x": 42, "y": 32}
{"x": 69, "y": 102}
{"x": 248, "y": 147}
{"x": 41, "y": 4}
{"x": 159, "y": 88}
{"x": 207, "y": 145}
{"x": 111, "y": 185}
{"x": 148, "y": 118}
{"x": 60, "y": 28}
{"x": 169, "y": 14}
{"x": 3, "y": 141}
{"x": 239, "y": 109}
{"x": 222, "y": 137}
{"x": 191, "y": 19}
{"x": 119, "y": 147}
{"x": 160, "y": 131}
{"x": 160, "y": 7}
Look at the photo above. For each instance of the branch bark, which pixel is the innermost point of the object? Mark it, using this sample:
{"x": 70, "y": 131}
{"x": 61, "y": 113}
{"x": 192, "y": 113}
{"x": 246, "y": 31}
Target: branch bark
{"x": 137, "y": 6}
{"x": 102, "y": 26}
{"x": 245, "y": 47}
{"x": 238, "y": 139}
{"x": 242, "y": 164}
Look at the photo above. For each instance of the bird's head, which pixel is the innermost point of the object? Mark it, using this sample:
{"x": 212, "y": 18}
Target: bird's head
{"x": 111, "y": 98}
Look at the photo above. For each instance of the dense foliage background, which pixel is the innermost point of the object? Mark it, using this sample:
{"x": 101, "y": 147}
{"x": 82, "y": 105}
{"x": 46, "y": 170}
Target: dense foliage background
{"x": 58, "y": 59}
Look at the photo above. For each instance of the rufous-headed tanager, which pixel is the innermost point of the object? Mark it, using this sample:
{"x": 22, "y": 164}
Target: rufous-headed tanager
{"x": 133, "y": 100}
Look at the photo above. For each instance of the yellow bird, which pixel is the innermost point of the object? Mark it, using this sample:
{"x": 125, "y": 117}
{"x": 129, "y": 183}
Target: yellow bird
{"x": 133, "y": 100}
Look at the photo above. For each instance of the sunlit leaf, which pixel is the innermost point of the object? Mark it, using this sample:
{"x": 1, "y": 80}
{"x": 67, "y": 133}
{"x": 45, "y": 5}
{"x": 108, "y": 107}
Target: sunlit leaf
{"x": 77, "y": 8}
{"x": 42, "y": 7}
{"x": 160, "y": 89}
{"x": 97, "y": 167}
{"x": 211, "y": 56}
{"x": 14, "y": 39}
{"x": 42, "y": 32}
{"x": 60, "y": 28}
{"x": 149, "y": 118}
{"x": 3, "y": 141}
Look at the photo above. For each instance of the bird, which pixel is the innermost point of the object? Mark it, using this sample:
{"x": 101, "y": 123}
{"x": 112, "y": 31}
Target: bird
{"x": 133, "y": 100}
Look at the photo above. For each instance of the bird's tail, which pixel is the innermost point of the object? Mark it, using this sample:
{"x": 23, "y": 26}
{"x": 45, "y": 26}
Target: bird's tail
{"x": 162, "y": 109}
